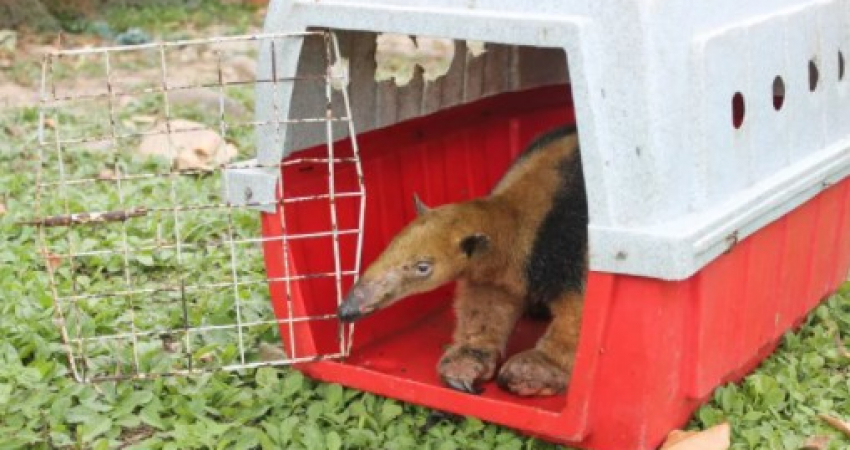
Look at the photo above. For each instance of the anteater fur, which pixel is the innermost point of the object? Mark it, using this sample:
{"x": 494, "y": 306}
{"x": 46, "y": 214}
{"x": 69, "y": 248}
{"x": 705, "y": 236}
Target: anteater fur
{"x": 522, "y": 247}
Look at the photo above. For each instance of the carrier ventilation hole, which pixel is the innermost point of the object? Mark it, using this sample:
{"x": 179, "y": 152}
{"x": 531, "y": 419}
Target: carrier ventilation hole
{"x": 778, "y": 93}
{"x": 840, "y": 65}
{"x": 813, "y": 75}
{"x": 738, "y": 110}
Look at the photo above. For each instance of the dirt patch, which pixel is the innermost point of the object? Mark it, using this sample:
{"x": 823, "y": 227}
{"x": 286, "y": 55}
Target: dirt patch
{"x": 20, "y": 76}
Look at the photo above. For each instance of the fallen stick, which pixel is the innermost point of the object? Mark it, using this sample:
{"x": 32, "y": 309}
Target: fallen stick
{"x": 86, "y": 218}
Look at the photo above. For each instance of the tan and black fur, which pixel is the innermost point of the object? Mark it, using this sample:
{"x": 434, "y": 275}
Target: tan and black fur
{"x": 522, "y": 246}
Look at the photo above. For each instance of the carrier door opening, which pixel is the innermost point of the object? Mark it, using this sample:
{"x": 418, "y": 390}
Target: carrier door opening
{"x": 446, "y": 140}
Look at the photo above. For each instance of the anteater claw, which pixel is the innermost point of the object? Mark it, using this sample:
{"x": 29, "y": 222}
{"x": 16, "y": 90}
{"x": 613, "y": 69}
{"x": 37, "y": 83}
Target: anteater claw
{"x": 464, "y": 368}
{"x": 464, "y": 386}
{"x": 458, "y": 385}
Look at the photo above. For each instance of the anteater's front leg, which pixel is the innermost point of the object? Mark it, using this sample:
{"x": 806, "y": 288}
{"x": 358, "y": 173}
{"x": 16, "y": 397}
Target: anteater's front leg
{"x": 545, "y": 369}
{"x": 486, "y": 315}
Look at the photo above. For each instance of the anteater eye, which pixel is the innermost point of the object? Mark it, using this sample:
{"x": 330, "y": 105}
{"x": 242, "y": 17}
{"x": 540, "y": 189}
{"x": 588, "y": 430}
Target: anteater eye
{"x": 423, "y": 268}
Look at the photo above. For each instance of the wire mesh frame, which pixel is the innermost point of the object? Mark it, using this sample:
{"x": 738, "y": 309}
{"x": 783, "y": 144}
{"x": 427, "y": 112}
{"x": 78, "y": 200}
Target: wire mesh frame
{"x": 178, "y": 342}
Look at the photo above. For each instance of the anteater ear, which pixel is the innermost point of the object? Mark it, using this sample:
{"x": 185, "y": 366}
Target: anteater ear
{"x": 474, "y": 243}
{"x": 421, "y": 208}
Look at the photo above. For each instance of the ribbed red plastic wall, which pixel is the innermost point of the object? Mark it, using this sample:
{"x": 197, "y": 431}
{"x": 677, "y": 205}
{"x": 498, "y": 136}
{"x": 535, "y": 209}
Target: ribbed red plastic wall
{"x": 651, "y": 351}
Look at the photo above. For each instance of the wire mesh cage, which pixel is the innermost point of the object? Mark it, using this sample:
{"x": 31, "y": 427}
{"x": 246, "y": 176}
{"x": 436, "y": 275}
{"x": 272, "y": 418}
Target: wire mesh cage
{"x": 152, "y": 270}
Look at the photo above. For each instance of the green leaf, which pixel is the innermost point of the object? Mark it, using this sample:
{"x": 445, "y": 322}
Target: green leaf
{"x": 448, "y": 445}
{"x": 59, "y": 409}
{"x": 152, "y": 418}
{"x": 333, "y": 441}
{"x": 293, "y": 383}
{"x": 248, "y": 439}
{"x": 314, "y": 411}
{"x": 390, "y": 411}
{"x": 5, "y": 393}
{"x": 266, "y": 377}
{"x": 311, "y": 437}
{"x": 91, "y": 430}
{"x": 333, "y": 396}
{"x": 286, "y": 430}
{"x": 29, "y": 377}
{"x": 145, "y": 259}
{"x": 138, "y": 398}
{"x": 516, "y": 444}
{"x": 81, "y": 414}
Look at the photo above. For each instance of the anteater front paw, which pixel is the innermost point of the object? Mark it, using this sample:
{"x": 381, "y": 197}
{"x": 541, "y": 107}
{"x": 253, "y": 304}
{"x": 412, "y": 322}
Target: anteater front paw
{"x": 464, "y": 368}
{"x": 532, "y": 373}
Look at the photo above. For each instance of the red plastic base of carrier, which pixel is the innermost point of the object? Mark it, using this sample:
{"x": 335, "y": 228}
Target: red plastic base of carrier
{"x": 651, "y": 351}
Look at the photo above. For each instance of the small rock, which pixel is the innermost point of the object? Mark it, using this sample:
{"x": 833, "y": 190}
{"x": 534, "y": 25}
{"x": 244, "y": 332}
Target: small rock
{"x": 190, "y": 146}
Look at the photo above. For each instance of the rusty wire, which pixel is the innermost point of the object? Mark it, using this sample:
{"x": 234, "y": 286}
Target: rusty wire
{"x": 180, "y": 335}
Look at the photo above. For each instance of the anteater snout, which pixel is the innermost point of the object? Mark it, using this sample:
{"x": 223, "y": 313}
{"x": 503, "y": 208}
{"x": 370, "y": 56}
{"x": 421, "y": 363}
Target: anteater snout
{"x": 357, "y": 304}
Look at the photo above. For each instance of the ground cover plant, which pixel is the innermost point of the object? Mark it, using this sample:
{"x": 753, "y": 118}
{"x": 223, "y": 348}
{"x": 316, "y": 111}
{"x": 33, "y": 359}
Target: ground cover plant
{"x": 776, "y": 407}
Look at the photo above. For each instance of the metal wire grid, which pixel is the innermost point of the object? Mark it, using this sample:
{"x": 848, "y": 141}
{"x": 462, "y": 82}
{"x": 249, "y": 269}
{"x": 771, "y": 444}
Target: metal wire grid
{"x": 151, "y": 272}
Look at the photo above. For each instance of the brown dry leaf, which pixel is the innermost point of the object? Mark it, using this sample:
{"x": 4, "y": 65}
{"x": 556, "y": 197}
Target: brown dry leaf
{"x": 49, "y": 123}
{"x": 717, "y": 437}
{"x": 817, "y": 442}
{"x": 677, "y": 436}
{"x": 53, "y": 260}
{"x": 840, "y": 425}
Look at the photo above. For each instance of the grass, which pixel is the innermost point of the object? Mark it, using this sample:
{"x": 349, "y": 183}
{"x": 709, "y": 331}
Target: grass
{"x": 41, "y": 406}
{"x": 776, "y": 407}
{"x": 167, "y": 19}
